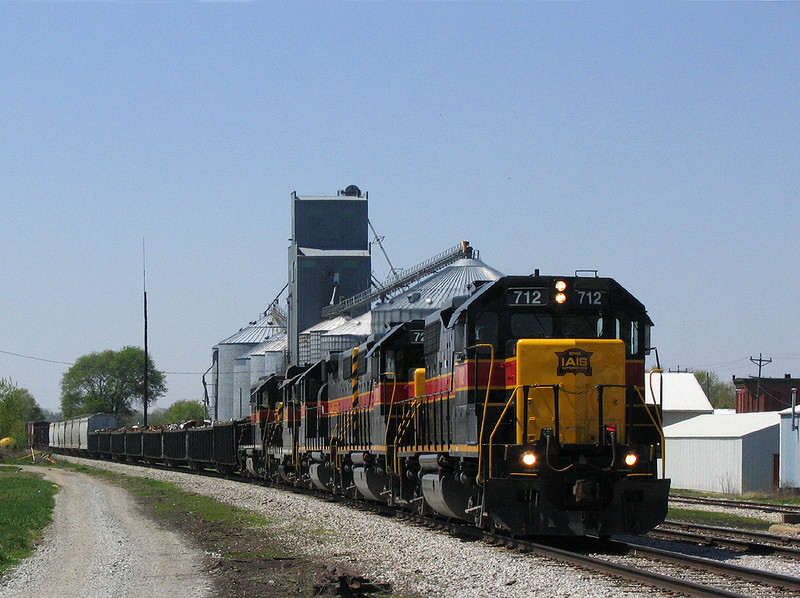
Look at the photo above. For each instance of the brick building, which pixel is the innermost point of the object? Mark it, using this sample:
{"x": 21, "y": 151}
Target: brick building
{"x": 765, "y": 394}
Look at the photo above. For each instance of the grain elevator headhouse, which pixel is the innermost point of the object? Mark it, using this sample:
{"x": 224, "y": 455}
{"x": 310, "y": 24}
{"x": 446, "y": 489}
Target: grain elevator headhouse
{"x": 329, "y": 258}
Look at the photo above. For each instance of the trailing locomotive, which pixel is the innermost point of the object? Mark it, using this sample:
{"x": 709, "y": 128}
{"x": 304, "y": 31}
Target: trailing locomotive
{"x": 519, "y": 408}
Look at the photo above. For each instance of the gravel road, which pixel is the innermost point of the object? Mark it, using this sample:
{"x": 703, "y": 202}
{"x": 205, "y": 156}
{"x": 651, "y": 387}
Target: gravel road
{"x": 100, "y": 545}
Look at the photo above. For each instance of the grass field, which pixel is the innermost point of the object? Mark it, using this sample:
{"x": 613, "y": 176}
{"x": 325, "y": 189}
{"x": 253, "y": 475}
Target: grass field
{"x": 718, "y": 519}
{"x": 26, "y": 505}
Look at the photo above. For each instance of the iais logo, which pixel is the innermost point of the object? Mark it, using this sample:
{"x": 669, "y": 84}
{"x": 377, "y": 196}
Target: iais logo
{"x": 574, "y": 361}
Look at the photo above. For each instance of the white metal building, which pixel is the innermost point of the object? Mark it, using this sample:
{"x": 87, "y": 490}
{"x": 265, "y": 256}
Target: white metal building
{"x": 724, "y": 453}
{"x": 683, "y": 397}
{"x": 790, "y": 448}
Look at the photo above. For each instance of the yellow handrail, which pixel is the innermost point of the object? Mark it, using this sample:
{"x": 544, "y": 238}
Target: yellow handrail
{"x": 658, "y": 424}
{"x": 497, "y": 425}
{"x": 401, "y": 428}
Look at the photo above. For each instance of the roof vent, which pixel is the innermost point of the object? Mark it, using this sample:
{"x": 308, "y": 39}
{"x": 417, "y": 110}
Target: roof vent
{"x": 351, "y": 191}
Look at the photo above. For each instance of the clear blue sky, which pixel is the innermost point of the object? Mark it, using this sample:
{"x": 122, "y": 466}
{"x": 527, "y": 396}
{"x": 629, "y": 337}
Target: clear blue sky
{"x": 655, "y": 142}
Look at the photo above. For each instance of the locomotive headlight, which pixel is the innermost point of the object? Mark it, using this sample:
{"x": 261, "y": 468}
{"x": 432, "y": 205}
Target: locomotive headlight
{"x": 561, "y": 286}
{"x": 560, "y": 298}
{"x": 631, "y": 459}
{"x": 529, "y": 459}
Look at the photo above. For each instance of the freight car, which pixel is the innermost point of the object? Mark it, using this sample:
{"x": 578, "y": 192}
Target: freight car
{"x": 519, "y": 407}
{"x": 38, "y": 434}
{"x": 71, "y": 435}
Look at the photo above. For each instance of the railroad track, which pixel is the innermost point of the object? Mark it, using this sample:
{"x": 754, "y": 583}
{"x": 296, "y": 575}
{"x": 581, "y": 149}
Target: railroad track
{"x": 631, "y": 562}
{"x": 736, "y": 504}
{"x": 760, "y": 543}
{"x": 712, "y": 577}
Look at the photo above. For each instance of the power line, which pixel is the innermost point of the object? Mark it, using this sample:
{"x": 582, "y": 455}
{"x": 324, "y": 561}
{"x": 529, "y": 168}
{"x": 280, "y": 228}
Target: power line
{"x": 37, "y": 358}
{"x": 73, "y": 363}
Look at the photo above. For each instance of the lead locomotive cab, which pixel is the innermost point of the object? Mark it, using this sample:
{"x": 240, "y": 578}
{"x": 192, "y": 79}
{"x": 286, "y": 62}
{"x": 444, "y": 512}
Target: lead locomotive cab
{"x": 547, "y": 407}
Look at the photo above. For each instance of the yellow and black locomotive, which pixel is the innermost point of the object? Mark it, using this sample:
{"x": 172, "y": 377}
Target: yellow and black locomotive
{"x": 519, "y": 407}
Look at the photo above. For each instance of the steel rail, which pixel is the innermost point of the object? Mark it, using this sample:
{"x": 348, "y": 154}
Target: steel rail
{"x": 649, "y": 578}
{"x": 718, "y": 567}
{"x": 752, "y": 542}
{"x": 737, "y": 504}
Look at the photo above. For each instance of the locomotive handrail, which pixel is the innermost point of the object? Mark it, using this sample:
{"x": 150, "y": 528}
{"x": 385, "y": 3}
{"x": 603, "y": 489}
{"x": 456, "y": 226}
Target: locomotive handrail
{"x": 485, "y": 404}
{"x": 332, "y": 444}
{"x": 390, "y": 469}
{"x": 513, "y": 398}
{"x": 658, "y": 424}
{"x": 401, "y": 428}
{"x": 349, "y": 417}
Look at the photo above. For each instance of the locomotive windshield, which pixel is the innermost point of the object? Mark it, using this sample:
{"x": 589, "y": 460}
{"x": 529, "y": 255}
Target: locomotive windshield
{"x": 531, "y": 325}
{"x": 498, "y": 329}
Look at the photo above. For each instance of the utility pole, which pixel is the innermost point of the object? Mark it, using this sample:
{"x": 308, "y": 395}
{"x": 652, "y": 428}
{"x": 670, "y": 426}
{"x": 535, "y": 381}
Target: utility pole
{"x": 760, "y": 362}
{"x": 144, "y": 289}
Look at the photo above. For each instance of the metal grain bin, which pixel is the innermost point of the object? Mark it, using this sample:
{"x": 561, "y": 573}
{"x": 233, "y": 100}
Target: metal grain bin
{"x": 152, "y": 448}
{"x": 175, "y": 446}
{"x": 200, "y": 446}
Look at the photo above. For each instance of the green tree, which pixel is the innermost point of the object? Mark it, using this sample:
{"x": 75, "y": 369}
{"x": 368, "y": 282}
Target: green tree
{"x": 17, "y": 406}
{"x": 181, "y": 411}
{"x": 110, "y": 382}
{"x": 722, "y": 395}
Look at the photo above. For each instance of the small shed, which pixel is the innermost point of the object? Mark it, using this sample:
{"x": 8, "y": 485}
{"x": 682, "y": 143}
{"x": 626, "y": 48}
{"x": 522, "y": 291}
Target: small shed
{"x": 733, "y": 454}
{"x": 683, "y": 397}
{"x": 790, "y": 448}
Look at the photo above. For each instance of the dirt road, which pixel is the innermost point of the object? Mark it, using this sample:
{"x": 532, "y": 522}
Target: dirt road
{"x": 101, "y": 545}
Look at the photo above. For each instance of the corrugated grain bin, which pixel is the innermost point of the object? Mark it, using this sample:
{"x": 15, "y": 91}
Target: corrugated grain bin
{"x": 200, "y": 445}
{"x": 151, "y": 444}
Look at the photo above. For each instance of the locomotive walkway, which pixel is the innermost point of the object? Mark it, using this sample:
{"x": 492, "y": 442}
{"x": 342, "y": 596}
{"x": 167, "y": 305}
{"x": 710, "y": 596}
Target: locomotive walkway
{"x": 100, "y": 545}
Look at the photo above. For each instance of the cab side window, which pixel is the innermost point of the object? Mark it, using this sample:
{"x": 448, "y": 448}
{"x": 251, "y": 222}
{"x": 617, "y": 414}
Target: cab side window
{"x": 486, "y": 329}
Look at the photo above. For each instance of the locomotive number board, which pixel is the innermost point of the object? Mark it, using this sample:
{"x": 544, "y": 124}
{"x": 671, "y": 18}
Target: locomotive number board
{"x": 590, "y": 297}
{"x": 582, "y": 297}
{"x": 527, "y": 297}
